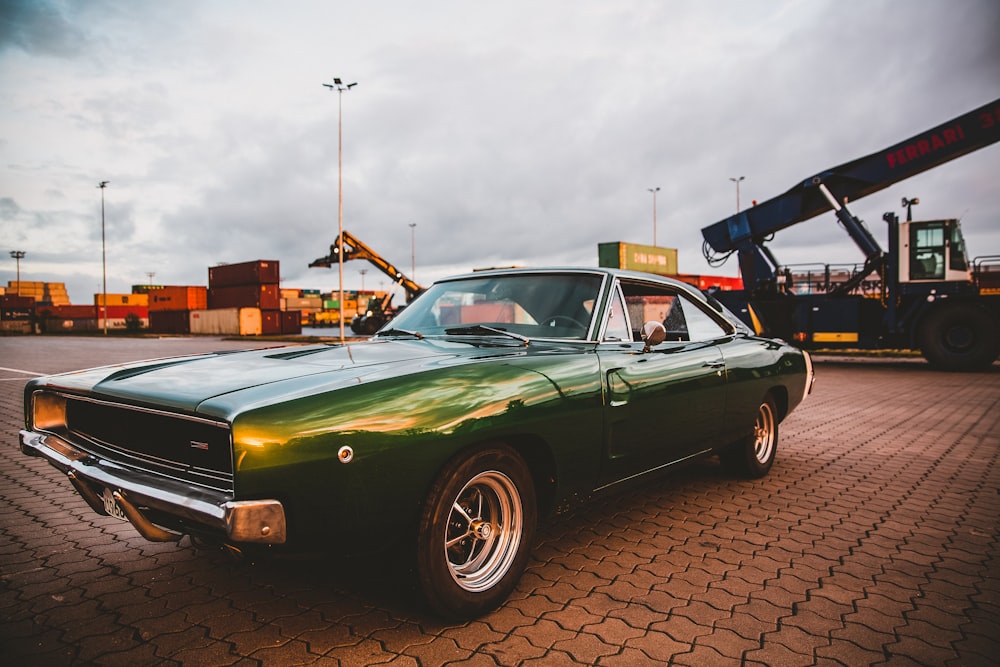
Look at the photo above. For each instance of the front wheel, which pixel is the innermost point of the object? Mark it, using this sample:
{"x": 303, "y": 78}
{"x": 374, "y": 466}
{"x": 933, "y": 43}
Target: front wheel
{"x": 476, "y": 531}
{"x": 753, "y": 455}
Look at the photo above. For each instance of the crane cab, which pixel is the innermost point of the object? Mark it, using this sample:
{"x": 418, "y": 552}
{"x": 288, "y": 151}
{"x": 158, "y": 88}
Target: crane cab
{"x": 932, "y": 251}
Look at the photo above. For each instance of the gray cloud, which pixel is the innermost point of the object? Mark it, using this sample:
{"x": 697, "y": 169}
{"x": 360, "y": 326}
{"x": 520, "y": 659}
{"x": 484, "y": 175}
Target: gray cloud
{"x": 520, "y": 133}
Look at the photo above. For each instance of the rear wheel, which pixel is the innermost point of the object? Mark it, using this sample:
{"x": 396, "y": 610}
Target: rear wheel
{"x": 959, "y": 337}
{"x": 476, "y": 531}
{"x": 753, "y": 455}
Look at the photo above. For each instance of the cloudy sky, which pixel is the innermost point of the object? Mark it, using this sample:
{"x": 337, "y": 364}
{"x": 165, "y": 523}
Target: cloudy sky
{"x": 508, "y": 133}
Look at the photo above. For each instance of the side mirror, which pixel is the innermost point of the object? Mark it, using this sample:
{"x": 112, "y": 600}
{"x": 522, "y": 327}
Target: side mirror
{"x": 653, "y": 333}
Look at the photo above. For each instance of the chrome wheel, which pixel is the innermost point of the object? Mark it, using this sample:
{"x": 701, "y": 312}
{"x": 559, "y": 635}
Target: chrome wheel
{"x": 475, "y": 532}
{"x": 483, "y": 531}
{"x": 765, "y": 434}
{"x": 752, "y": 456}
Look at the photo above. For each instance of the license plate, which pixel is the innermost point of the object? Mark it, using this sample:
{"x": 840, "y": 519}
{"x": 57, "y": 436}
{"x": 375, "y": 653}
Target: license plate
{"x": 112, "y": 507}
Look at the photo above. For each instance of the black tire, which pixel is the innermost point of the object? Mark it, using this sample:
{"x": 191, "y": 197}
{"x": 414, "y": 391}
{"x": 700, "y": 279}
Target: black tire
{"x": 753, "y": 456}
{"x": 476, "y": 531}
{"x": 959, "y": 337}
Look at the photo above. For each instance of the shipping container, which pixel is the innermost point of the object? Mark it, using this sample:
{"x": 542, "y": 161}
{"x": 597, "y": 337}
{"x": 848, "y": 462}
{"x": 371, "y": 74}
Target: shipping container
{"x": 257, "y": 272}
{"x": 53, "y": 293}
{"x": 227, "y": 321}
{"x": 145, "y": 289}
{"x": 270, "y": 322}
{"x": 302, "y": 303}
{"x": 178, "y": 297}
{"x": 636, "y": 257}
{"x": 121, "y": 312}
{"x": 119, "y": 323}
{"x": 9, "y": 314}
{"x": 170, "y": 321}
{"x": 15, "y": 301}
{"x": 79, "y": 312}
{"x": 122, "y": 299}
{"x": 710, "y": 282}
{"x": 264, "y": 297}
{"x": 291, "y": 323}
{"x": 15, "y": 326}
{"x": 289, "y": 293}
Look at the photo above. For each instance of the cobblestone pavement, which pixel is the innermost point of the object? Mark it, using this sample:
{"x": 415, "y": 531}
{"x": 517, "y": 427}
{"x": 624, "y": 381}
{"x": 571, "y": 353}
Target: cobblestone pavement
{"x": 872, "y": 541}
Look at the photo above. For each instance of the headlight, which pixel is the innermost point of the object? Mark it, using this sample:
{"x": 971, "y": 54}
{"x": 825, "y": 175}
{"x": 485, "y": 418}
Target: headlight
{"x": 48, "y": 411}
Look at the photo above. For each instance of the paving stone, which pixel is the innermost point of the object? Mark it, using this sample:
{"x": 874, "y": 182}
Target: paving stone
{"x": 872, "y": 541}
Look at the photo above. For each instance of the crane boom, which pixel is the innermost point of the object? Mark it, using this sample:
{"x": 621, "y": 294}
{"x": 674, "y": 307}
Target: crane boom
{"x": 921, "y": 293}
{"x": 355, "y": 249}
{"x": 747, "y": 230}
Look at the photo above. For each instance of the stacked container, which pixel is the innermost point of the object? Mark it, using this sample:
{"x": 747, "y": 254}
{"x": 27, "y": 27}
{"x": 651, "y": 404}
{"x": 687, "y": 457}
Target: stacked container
{"x": 117, "y": 307}
{"x": 235, "y": 288}
{"x": 44, "y": 294}
{"x": 170, "y": 307}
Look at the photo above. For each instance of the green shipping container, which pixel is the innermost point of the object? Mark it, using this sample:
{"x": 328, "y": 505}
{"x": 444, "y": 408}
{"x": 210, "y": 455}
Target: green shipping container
{"x": 636, "y": 257}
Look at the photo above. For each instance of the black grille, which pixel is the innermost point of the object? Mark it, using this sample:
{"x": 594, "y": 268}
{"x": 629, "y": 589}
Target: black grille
{"x": 193, "y": 450}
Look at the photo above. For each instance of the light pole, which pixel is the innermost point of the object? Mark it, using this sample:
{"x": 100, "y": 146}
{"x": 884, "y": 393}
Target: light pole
{"x": 362, "y": 272}
{"x": 340, "y": 87}
{"x": 737, "y": 182}
{"x": 654, "y": 191}
{"x": 413, "y": 251}
{"x": 104, "y": 263}
{"x": 18, "y": 255}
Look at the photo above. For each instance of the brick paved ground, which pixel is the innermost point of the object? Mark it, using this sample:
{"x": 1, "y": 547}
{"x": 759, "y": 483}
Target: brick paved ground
{"x": 873, "y": 541}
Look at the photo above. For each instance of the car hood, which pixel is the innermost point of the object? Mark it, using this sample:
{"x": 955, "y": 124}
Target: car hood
{"x": 187, "y": 383}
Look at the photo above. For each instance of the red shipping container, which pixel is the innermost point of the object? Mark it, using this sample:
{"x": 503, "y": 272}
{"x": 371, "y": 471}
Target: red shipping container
{"x": 13, "y": 301}
{"x": 270, "y": 322}
{"x": 257, "y": 272}
{"x": 291, "y": 322}
{"x": 121, "y": 312}
{"x": 170, "y": 321}
{"x": 265, "y": 297}
{"x": 178, "y": 297}
{"x": 68, "y": 312}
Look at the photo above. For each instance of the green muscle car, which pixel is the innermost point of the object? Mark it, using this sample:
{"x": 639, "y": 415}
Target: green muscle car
{"x": 491, "y": 400}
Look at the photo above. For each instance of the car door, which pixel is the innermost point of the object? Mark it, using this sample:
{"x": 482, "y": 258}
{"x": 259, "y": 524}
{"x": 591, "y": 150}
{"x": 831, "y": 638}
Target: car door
{"x": 666, "y": 404}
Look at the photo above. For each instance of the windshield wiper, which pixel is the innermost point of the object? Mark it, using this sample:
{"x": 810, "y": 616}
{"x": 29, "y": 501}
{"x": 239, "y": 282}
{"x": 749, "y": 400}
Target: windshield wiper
{"x": 399, "y": 332}
{"x": 478, "y": 329}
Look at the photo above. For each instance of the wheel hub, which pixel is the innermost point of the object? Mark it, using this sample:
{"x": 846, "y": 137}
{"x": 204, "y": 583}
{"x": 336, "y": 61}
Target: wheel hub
{"x": 481, "y": 530}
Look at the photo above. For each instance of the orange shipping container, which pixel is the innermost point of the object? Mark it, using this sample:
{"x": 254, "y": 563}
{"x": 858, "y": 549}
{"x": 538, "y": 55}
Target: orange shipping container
{"x": 178, "y": 297}
{"x": 122, "y": 299}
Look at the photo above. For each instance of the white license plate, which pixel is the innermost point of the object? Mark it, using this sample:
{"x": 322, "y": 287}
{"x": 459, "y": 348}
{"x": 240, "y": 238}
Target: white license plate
{"x": 112, "y": 507}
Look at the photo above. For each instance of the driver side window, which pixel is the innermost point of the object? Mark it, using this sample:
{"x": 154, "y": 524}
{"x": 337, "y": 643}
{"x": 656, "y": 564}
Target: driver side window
{"x": 680, "y": 316}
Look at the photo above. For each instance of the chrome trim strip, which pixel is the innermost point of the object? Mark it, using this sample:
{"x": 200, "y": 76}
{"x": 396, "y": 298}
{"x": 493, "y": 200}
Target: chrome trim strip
{"x": 137, "y": 408}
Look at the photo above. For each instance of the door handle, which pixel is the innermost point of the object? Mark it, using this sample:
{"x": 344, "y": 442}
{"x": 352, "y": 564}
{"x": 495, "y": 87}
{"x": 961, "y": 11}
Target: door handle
{"x": 714, "y": 364}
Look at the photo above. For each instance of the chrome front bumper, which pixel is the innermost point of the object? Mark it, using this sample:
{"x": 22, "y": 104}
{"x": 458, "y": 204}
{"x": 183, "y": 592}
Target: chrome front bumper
{"x": 139, "y": 494}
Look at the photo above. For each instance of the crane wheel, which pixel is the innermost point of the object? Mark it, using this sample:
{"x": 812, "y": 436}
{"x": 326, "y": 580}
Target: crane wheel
{"x": 959, "y": 337}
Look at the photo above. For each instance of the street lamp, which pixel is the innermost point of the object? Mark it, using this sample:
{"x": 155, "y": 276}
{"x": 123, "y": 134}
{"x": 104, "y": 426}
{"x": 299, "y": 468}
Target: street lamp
{"x": 340, "y": 87}
{"x": 413, "y": 251}
{"x": 362, "y": 272}
{"x": 104, "y": 262}
{"x": 18, "y": 255}
{"x": 654, "y": 191}
{"x": 737, "y": 182}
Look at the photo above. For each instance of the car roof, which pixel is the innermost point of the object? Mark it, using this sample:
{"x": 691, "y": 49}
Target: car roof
{"x": 605, "y": 271}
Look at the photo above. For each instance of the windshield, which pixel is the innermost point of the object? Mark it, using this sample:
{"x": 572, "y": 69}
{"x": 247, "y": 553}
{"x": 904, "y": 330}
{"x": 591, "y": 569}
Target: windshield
{"x": 532, "y": 305}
